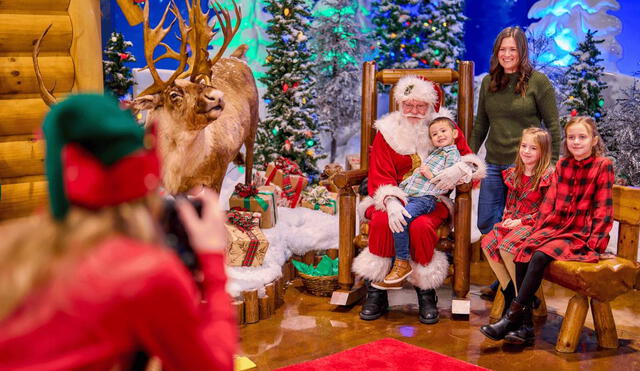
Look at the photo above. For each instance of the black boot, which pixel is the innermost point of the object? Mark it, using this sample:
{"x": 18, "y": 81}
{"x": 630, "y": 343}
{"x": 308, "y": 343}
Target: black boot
{"x": 524, "y": 335}
{"x": 509, "y": 322}
{"x": 375, "y": 305}
{"x": 427, "y": 306}
{"x": 509, "y": 294}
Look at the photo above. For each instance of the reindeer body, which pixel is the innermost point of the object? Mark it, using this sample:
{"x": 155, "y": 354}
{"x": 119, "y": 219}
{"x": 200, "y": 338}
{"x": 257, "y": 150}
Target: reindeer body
{"x": 196, "y": 154}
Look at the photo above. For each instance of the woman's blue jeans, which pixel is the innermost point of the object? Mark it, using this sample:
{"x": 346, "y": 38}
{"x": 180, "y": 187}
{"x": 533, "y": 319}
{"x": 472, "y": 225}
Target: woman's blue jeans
{"x": 492, "y": 198}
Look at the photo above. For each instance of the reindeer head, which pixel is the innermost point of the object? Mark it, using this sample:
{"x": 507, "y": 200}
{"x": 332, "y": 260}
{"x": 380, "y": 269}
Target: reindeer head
{"x": 189, "y": 103}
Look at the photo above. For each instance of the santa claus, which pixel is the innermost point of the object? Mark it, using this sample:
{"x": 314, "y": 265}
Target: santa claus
{"x": 399, "y": 147}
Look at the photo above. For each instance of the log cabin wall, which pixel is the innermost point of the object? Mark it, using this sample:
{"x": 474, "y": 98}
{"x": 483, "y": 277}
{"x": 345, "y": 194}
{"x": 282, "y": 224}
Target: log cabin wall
{"x": 70, "y": 57}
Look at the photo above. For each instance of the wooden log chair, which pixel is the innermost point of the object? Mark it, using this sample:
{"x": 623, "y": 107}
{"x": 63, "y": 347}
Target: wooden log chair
{"x": 458, "y": 240}
{"x": 596, "y": 284}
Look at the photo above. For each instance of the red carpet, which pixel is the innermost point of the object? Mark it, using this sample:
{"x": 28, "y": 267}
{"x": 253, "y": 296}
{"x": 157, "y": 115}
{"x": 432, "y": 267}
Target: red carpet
{"x": 385, "y": 354}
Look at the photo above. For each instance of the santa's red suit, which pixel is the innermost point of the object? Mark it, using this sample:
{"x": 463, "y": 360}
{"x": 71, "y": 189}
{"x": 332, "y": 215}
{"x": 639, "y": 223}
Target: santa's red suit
{"x": 398, "y": 149}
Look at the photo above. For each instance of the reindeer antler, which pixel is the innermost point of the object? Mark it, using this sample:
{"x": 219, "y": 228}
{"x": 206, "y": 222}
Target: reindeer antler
{"x": 225, "y": 27}
{"x": 153, "y": 38}
{"x": 47, "y": 95}
{"x": 199, "y": 40}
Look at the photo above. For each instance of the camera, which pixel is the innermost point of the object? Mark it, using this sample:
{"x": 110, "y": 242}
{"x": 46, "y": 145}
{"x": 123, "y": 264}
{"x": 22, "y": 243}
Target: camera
{"x": 176, "y": 235}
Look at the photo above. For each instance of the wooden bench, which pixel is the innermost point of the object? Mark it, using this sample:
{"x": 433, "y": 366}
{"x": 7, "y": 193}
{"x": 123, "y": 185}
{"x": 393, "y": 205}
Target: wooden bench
{"x": 596, "y": 284}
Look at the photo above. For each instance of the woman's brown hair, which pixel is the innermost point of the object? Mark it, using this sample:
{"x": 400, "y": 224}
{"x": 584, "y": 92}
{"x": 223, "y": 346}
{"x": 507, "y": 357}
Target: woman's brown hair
{"x": 499, "y": 79}
{"x": 542, "y": 139}
{"x": 598, "y": 148}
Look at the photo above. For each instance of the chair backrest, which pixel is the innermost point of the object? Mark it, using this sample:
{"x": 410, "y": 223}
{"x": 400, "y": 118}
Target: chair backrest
{"x": 371, "y": 78}
{"x": 626, "y": 210}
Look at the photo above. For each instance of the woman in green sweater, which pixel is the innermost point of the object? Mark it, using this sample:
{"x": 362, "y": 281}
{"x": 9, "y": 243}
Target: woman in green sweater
{"x": 513, "y": 97}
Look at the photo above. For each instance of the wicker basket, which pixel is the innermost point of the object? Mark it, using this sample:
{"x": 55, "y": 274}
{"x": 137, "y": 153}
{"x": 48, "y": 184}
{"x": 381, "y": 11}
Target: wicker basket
{"x": 319, "y": 285}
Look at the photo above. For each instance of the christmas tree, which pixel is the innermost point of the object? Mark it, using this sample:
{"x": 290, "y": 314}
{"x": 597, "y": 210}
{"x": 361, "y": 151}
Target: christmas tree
{"x": 291, "y": 126}
{"x": 583, "y": 92}
{"x": 445, "y": 45}
{"x": 400, "y": 32}
{"x": 339, "y": 44}
{"x": 117, "y": 76}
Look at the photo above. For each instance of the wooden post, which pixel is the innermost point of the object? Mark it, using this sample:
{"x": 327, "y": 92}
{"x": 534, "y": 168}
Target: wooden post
{"x": 604, "y": 324}
{"x": 465, "y": 89}
{"x": 265, "y": 307}
{"x": 497, "y": 308}
{"x": 369, "y": 111}
{"x": 86, "y": 48}
{"x": 347, "y": 231}
{"x": 572, "y": 324}
{"x": 270, "y": 291}
{"x": 239, "y": 309}
{"x": 132, "y": 12}
{"x": 628, "y": 241}
{"x": 251, "y": 306}
{"x": 461, "y": 253}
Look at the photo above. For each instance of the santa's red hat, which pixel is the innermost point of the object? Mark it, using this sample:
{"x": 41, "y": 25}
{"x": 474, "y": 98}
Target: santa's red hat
{"x": 418, "y": 88}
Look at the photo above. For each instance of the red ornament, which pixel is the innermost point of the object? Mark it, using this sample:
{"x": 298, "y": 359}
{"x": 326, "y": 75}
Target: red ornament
{"x": 424, "y": 61}
{"x": 407, "y": 24}
{"x": 436, "y": 63}
{"x": 285, "y": 87}
{"x": 138, "y": 1}
{"x": 414, "y": 55}
{"x": 295, "y": 84}
{"x": 372, "y": 47}
{"x": 574, "y": 112}
{"x": 123, "y": 56}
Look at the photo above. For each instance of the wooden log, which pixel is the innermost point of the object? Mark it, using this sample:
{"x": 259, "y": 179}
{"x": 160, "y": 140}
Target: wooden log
{"x": 239, "y": 309}
{"x": 265, "y": 307}
{"x": 270, "y": 291}
{"x": 21, "y": 158}
{"x": 628, "y": 241}
{"x": 462, "y": 243}
{"x": 369, "y": 113}
{"x": 541, "y": 311}
{"x": 132, "y": 12}
{"x": 604, "y": 324}
{"x": 626, "y": 204}
{"x": 17, "y": 75}
{"x": 309, "y": 258}
{"x": 86, "y": 48}
{"x": 251, "y": 306}
{"x": 34, "y": 6}
{"x": 347, "y": 231}
{"x": 21, "y": 199}
{"x": 19, "y": 32}
{"x": 497, "y": 308}
{"x": 572, "y": 324}
{"x": 280, "y": 288}
{"x": 21, "y": 116}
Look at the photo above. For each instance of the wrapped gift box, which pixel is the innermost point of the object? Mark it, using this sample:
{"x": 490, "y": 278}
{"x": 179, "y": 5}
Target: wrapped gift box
{"x": 257, "y": 199}
{"x": 247, "y": 244}
{"x": 321, "y": 199}
{"x": 287, "y": 175}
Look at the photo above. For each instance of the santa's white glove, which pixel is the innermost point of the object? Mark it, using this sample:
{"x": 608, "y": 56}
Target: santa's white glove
{"x": 458, "y": 173}
{"x": 396, "y": 213}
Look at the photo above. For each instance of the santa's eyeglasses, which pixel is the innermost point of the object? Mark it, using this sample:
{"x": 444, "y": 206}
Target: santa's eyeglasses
{"x": 412, "y": 107}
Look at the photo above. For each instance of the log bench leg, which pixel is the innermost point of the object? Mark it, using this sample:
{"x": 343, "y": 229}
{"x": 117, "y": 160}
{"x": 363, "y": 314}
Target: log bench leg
{"x": 497, "y": 307}
{"x": 541, "y": 311}
{"x": 604, "y": 324}
{"x": 572, "y": 324}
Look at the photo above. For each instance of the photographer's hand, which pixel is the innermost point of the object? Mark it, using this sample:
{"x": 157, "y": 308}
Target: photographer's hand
{"x": 206, "y": 234}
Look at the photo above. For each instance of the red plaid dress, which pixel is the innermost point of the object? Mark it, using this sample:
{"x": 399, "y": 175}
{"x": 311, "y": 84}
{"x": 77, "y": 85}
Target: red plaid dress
{"x": 522, "y": 203}
{"x": 576, "y": 214}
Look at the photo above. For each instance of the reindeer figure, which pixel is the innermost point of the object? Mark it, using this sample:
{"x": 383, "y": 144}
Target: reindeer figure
{"x": 204, "y": 120}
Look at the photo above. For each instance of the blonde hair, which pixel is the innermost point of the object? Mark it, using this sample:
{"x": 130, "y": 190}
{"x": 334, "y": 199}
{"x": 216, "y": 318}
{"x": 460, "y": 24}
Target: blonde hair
{"x": 28, "y": 258}
{"x": 542, "y": 139}
{"x": 598, "y": 149}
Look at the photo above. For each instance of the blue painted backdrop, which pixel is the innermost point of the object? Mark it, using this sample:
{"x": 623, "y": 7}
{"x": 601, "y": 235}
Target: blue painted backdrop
{"x": 486, "y": 19}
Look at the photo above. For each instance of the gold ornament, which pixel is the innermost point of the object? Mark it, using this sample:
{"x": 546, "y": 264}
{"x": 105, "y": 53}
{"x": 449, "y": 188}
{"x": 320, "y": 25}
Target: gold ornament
{"x": 393, "y": 35}
{"x": 444, "y": 24}
{"x": 310, "y": 152}
{"x": 286, "y": 12}
{"x": 433, "y": 28}
{"x": 304, "y": 100}
{"x": 571, "y": 97}
{"x": 301, "y": 36}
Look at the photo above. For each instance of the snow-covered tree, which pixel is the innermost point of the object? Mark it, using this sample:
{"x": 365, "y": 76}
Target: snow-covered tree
{"x": 400, "y": 32}
{"x": 565, "y": 21}
{"x": 620, "y": 130}
{"x": 583, "y": 93}
{"x": 339, "y": 45}
{"x": 291, "y": 126}
{"x": 445, "y": 35}
{"x": 117, "y": 76}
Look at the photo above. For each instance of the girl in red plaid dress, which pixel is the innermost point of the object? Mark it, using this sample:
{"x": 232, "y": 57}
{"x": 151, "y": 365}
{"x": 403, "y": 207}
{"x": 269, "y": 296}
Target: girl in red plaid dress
{"x": 573, "y": 224}
{"x": 527, "y": 184}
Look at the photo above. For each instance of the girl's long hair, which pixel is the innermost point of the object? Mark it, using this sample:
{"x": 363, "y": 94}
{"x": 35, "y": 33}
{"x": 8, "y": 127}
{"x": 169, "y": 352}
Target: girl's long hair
{"x": 499, "y": 79}
{"x": 598, "y": 148}
{"x": 542, "y": 139}
{"x": 33, "y": 249}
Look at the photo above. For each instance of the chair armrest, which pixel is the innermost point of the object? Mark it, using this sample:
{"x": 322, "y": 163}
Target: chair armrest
{"x": 463, "y": 188}
{"x": 349, "y": 178}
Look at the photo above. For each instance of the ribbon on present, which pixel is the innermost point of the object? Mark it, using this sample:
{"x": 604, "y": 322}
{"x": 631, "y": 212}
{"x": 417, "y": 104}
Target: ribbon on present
{"x": 246, "y": 222}
{"x": 248, "y": 192}
{"x": 288, "y": 168}
{"x": 320, "y": 196}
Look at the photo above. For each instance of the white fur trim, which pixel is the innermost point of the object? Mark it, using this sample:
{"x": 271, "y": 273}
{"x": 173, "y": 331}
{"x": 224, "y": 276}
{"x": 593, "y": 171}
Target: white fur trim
{"x": 363, "y": 206}
{"x": 404, "y": 137}
{"x": 481, "y": 168}
{"x": 371, "y": 267}
{"x": 412, "y": 87}
{"x": 385, "y": 191}
{"x": 432, "y": 275}
{"x": 444, "y": 112}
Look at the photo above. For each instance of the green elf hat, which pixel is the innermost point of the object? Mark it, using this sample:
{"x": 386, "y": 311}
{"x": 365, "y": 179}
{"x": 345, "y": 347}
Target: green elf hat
{"x": 96, "y": 155}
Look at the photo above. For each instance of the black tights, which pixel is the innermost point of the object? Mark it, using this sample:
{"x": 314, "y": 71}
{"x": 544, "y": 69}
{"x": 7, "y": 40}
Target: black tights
{"x": 529, "y": 276}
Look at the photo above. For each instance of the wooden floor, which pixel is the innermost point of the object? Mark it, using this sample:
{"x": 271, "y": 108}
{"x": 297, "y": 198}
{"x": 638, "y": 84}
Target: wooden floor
{"x": 307, "y": 327}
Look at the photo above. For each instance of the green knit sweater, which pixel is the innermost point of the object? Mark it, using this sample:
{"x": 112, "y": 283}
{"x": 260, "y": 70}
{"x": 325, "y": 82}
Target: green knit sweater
{"x": 504, "y": 114}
